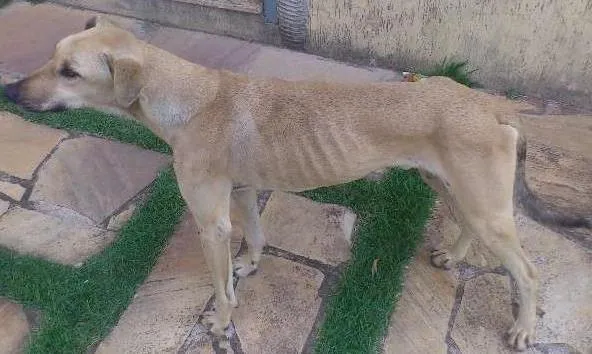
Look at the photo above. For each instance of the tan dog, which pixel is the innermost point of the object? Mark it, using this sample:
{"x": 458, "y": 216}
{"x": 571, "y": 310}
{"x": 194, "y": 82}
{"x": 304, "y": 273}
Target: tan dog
{"x": 232, "y": 135}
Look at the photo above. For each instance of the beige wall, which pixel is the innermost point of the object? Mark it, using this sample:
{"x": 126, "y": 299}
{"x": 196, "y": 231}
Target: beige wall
{"x": 537, "y": 46}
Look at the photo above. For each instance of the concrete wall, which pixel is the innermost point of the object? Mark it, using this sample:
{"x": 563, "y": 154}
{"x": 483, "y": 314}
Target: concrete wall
{"x": 541, "y": 47}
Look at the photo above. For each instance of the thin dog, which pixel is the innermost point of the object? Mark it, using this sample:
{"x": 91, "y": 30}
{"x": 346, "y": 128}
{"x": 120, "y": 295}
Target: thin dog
{"x": 233, "y": 135}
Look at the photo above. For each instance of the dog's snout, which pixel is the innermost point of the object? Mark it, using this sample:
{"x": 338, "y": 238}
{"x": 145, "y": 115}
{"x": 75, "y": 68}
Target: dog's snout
{"x": 13, "y": 91}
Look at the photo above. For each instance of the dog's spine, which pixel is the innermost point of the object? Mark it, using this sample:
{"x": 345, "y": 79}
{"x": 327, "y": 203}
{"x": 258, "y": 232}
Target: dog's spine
{"x": 533, "y": 206}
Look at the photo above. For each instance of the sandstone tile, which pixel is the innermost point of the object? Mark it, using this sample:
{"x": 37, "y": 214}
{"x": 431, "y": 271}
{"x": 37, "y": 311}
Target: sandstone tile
{"x": 278, "y": 306}
{"x": 32, "y": 31}
{"x": 260, "y": 60}
{"x": 4, "y": 205}
{"x": 95, "y": 176}
{"x": 485, "y": 314}
{"x": 24, "y": 145}
{"x": 299, "y": 225}
{"x": 12, "y": 190}
{"x": 290, "y": 65}
{"x": 205, "y": 49}
{"x": 565, "y": 290}
{"x": 57, "y": 239}
{"x": 420, "y": 321}
{"x": 559, "y": 162}
{"x": 14, "y": 327}
{"x": 116, "y": 222}
{"x": 169, "y": 302}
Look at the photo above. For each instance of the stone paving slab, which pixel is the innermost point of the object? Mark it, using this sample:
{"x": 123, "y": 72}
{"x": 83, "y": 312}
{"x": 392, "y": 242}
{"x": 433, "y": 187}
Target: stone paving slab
{"x": 419, "y": 323}
{"x": 24, "y": 145}
{"x": 14, "y": 327}
{"x": 32, "y": 31}
{"x": 260, "y": 60}
{"x": 485, "y": 314}
{"x": 167, "y": 305}
{"x": 565, "y": 293}
{"x": 54, "y": 238}
{"x": 559, "y": 162}
{"x": 12, "y": 190}
{"x": 278, "y": 306}
{"x": 432, "y": 308}
{"x": 313, "y": 230}
{"x": 4, "y": 205}
{"x": 95, "y": 176}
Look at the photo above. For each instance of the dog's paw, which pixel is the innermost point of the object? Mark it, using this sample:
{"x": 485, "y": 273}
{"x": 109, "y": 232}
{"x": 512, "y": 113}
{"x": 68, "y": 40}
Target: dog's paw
{"x": 441, "y": 259}
{"x": 520, "y": 336}
{"x": 243, "y": 267}
{"x": 210, "y": 318}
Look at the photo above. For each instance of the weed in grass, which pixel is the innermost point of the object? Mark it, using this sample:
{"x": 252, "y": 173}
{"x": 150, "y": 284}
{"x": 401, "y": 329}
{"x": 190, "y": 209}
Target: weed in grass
{"x": 455, "y": 70}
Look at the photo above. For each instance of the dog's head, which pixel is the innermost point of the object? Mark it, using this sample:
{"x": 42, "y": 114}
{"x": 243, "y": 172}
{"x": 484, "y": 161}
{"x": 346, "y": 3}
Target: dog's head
{"x": 100, "y": 67}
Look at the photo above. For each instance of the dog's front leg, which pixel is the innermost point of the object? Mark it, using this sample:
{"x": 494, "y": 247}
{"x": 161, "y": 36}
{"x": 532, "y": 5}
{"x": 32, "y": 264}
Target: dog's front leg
{"x": 216, "y": 245}
{"x": 246, "y": 202}
{"x": 208, "y": 199}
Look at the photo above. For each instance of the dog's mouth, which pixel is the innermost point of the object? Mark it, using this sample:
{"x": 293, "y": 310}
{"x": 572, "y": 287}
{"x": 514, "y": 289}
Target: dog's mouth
{"x": 14, "y": 93}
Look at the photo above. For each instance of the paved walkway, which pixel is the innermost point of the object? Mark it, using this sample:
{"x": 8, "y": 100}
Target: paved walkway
{"x": 64, "y": 196}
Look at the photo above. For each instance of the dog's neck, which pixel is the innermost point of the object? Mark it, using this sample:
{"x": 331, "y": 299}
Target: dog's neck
{"x": 187, "y": 91}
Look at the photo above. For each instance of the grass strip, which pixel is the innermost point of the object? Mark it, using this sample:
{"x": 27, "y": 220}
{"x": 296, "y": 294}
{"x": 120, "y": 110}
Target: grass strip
{"x": 392, "y": 214}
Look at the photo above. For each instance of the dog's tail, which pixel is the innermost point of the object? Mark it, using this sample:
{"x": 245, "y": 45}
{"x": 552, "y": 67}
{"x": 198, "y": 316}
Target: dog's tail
{"x": 533, "y": 206}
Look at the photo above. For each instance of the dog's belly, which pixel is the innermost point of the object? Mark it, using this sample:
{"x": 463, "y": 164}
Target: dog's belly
{"x": 311, "y": 161}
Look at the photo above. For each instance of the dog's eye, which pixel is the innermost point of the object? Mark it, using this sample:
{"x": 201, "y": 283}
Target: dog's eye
{"x": 69, "y": 73}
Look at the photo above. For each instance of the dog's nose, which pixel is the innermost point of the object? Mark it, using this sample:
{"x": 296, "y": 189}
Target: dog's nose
{"x": 13, "y": 91}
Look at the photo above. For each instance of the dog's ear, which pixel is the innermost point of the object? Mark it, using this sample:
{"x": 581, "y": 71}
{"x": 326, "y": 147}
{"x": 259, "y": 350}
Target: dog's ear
{"x": 98, "y": 21}
{"x": 91, "y": 23}
{"x": 127, "y": 80}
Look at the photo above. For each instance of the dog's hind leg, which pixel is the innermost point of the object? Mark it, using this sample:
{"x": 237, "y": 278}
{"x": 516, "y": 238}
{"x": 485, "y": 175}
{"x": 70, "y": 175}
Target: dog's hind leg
{"x": 498, "y": 232}
{"x": 483, "y": 189}
{"x": 246, "y": 202}
{"x": 443, "y": 257}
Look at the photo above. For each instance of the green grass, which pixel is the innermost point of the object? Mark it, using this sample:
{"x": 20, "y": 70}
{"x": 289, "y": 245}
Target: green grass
{"x": 392, "y": 214}
{"x": 79, "y": 306}
{"x": 457, "y": 71}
